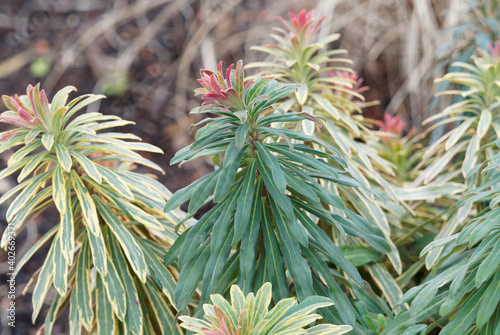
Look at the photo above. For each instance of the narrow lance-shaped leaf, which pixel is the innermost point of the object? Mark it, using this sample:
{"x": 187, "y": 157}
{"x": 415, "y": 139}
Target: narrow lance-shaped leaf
{"x": 227, "y": 175}
{"x": 470, "y": 155}
{"x": 23, "y": 152}
{"x": 272, "y": 162}
{"x": 489, "y": 303}
{"x": 67, "y": 226}
{"x": 59, "y": 191}
{"x": 133, "y": 321}
{"x": 274, "y": 259}
{"x": 174, "y": 251}
{"x": 199, "y": 233}
{"x": 60, "y": 268}
{"x": 48, "y": 141}
{"x": 182, "y": 195}
{"x": 223, "y": 223}
{"x": 484, "y": 123}
{"x": 87, "y": 204}
{"x": 161, "y": 275}
{"x": 250, "y": 238}
{"x": 63, "y": 157}
{"x": 89, "y": 166}
{"x": 115, "y": 291}
{"x": 136, "y": 213}
{"x": 27, "y": 256}
{"x": 24, "y": 213}
{"x": 458, "y": 133}
{"x": 32, "y": 165}
{"x": 203, "y": 191}
{"x": 105, "y": 319}
{"x": 342, "y": 303}
{"x": 26, "y": 195}
{"x": 466, "y": 314}
{"x": 241, "y": 134}
{"x": 387, "y": 284}
{"x": 96, "y": 240}
{"x": 82, "y": 287}
{"x": 214, "y": 268}
{"x": 162, "y": 311}
{"x": 190, "y": 276}
{"x": 328, "y": 247}
{"x": 52, "y": 314}
{"x": 130, "y": 247}
{"x": 243, "y": 213}
{"x": 43, "y": 284}
{"x": 116, "y": 182}
{"x": 74, "y": 319}
{"x": 281, "y": 198}
{"x": 61, "y": 97}
{"x": 296, "y": 264}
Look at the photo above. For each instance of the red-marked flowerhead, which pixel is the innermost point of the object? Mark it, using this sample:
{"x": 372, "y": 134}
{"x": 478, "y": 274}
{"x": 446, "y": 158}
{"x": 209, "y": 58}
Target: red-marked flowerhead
{"x": 226, "y": 92}
{"x": 392, "y": 125}
{"x": 303, "y": 27}
{"x": 493, "y": 50}
{"x": 353, "y": 78}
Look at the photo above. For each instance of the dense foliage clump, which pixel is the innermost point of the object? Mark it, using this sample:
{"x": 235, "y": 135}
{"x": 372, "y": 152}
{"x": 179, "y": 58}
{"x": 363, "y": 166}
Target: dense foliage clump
{"x": 311, "y": 205}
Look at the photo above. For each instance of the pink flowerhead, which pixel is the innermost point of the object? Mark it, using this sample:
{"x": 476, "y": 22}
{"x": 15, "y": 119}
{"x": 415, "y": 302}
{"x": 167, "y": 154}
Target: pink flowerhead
{"x": 494, "y": 50}
{"x": 299, "y": 22}
{"x": 303, "y": 26}
{"x": 392, "y": 125}
{"x": 352, "y": 77}
{"x": 223, "y": 92}
{"x": 26, "y": 111}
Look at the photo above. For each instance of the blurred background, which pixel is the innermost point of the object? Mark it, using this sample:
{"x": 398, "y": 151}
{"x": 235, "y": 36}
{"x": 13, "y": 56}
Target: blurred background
{"x": 146, "y": 55}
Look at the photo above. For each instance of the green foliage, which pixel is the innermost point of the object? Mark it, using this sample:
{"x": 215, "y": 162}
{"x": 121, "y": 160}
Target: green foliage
{"x": 465, "y": 287}
{"x": 304, "y": 193}
{"x": 250, "y": 315}
{"x": 479, "y": 28}
{"x": 461, "y": 296}
{"x": 331, "y": 91}
{"x": 459, "y": 154}
{"x": 268, "y": 201}
{"x": 105, "y": 253}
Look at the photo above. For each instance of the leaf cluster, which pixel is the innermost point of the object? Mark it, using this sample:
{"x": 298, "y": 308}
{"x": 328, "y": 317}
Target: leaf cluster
{"x": 268, "y": 196}
{"x": 105, "y": 252}
{"x": 461, "y": 295}
{"x": 250, "y": 315}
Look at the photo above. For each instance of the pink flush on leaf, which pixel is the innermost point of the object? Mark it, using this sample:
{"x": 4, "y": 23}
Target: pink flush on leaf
{"x": 26, "y": 111}
{"x": 227, "y": 92}
{"x": 221, "y": 324}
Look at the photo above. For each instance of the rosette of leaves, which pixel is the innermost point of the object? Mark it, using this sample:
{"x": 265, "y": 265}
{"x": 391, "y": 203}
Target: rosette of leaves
{"x": 104, "y": 257}
{"x": 456, "y": 157}
{"x": 301, "y": 57}
{"x": 463, "y": 296}
{"x": 250, "y": 315}
{"x": 398, "y": 148}
{"x": 331, "y": 91}
{"x": 268, "y": 200}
